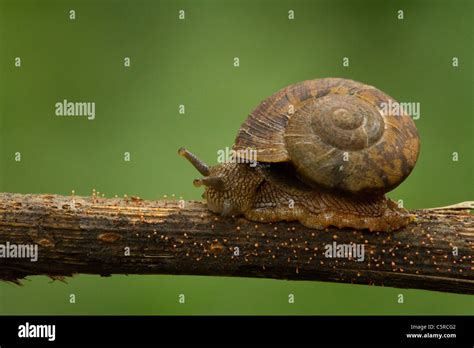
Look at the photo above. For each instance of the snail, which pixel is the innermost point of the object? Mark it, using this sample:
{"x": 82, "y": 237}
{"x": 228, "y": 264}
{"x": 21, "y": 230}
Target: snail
{"x": 326, "y": 155}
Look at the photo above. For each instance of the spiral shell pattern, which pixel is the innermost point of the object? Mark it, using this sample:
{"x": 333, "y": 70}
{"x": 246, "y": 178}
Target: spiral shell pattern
{"x": 336, "y": 133}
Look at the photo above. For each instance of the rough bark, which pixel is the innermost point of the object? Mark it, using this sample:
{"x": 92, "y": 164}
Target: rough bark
{"x": 92, "y": 235}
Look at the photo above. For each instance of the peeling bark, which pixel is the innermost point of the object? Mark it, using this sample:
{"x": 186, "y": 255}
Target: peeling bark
{"x": 92, "y": 235}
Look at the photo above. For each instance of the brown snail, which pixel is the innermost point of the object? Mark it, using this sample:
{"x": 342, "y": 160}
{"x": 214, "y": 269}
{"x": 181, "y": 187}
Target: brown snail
{"x": 326, "y": 154}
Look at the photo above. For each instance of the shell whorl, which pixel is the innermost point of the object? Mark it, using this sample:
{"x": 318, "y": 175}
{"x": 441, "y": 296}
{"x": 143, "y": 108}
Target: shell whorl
{"x": 342, "y": 121}
{"x": 336, "y": 135}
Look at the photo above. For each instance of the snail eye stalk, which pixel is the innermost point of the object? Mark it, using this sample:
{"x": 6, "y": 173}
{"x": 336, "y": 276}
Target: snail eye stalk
{"x": 211, "y": 181}
{"x": 202, "y": 167}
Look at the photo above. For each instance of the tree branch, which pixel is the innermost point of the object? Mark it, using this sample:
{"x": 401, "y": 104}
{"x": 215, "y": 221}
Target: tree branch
{"x": 93, "y": 235}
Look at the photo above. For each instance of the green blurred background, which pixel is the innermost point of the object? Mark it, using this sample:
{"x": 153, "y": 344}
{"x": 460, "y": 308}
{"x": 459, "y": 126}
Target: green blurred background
{"x": 190, "y": 62}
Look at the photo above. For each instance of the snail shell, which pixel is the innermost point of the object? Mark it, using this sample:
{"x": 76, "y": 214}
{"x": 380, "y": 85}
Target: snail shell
{"x": 335, "y": 133}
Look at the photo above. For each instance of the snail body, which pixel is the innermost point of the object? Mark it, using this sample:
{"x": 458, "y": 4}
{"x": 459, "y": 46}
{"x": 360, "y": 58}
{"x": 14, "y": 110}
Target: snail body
{"x": 326, "y": 154}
